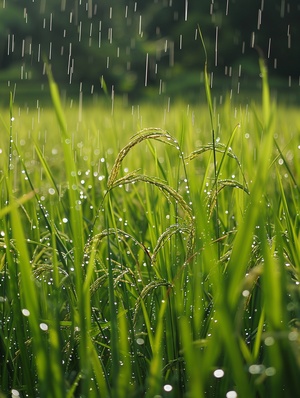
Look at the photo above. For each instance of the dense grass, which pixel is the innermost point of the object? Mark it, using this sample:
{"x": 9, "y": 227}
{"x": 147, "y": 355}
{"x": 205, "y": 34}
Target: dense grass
{"x": 160, "y": 264}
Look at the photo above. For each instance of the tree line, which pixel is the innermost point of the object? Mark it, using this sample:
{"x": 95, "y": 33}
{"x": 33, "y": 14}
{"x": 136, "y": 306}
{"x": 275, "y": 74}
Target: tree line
{"x": 128, "y": 44}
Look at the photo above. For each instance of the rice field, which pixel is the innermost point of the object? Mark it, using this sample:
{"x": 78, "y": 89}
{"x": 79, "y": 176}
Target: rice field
{"x": 150, "y": 251}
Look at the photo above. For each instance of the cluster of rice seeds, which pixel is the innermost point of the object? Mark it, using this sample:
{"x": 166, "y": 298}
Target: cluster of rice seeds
{"x": 148, "y": 280}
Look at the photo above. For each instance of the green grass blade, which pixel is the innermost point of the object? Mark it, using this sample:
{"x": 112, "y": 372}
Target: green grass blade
{"x": 211, "y": 113}
{"x": 242, "y": 245}
{"x": 57, "y": 103}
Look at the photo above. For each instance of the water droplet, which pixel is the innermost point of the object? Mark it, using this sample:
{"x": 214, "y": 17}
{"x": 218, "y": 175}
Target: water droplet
{"x": 269, "y": 341}
{"x": 186, "y": 10}
{"x": 219, "y": 373}
{"x": 168, "y": 387}
{"x": 293, "y": 336}
{"x": 256, "y": 369}
{"x": 140, "y": 341}
{"x": 270, "y": 371}
{"x": 25, "y": 312}
{"x": 231, "y": 394}
{"x": 43, "y": 326}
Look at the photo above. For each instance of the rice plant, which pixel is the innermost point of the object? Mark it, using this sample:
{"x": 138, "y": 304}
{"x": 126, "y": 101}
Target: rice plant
{"x": 165, "y": 264}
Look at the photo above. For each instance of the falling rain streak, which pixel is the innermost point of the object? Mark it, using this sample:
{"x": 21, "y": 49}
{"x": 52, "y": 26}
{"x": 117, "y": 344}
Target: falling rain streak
{"x": 253, "y": 39}
{"x": 289, "y": 36}
{"x": 227, "y": 7}
{"x": 259, "y": 19}
{"x": 124, "y": 27}
{"x": 269, "y": 47}
{"x": 186, "y": 7}
{"x": 146, "y": 71}
{"x": 216, "y": 47}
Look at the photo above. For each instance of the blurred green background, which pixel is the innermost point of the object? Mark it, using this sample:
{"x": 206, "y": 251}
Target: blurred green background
{"x": 147, "y": 48}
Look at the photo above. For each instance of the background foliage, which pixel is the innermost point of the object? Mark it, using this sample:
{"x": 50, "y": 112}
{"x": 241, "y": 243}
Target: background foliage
{"x": 153, "y": 42}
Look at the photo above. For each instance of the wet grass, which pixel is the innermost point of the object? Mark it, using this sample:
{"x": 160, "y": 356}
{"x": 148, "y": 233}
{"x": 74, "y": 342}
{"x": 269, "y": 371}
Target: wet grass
{"x": 150, "y": 261}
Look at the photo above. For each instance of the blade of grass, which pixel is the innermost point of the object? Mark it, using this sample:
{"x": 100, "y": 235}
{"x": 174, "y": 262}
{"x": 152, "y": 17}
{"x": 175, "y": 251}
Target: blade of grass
{"x": 30, "y": 301}
{"x": 155, "y": 375}
{"x": 76, "y": 224}
{"x": 16, "y": 203}
{"x": 242, "y": 245}
{"x": 211, "y": 113}
{"x": 113, "y": 314}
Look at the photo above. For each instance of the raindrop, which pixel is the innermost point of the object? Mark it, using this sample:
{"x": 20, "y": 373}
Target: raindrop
{"x": 43, "y": 326}
{"x": 256, "y": 369}
{"x": 25, "y": 312}
{"x": 140, "y": 26}
{"x": 293, "y": 336}
{"x": 259, "y": 19}
{"x": 216, "y": 46}
{"x": 269, "y": 341}
{"x": 231, "y": 394}
{"x": 270, "y": 371}
{"x": 180, "y": 42}
{"x": 80, "y": 31}
{"x": 269, "y": 48}
{"x": 146, "y": 71}
{"x": 280, "y": 162}
{"x": 219, "y": 373}
{"x": 227, "y": 7}
{"x": 51, "y": 22}
{"x": 186, "y": 10}
{"x": 140, "y": 341}
{"x": 168, "y": 387}
{"x": 252, "y": 39}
